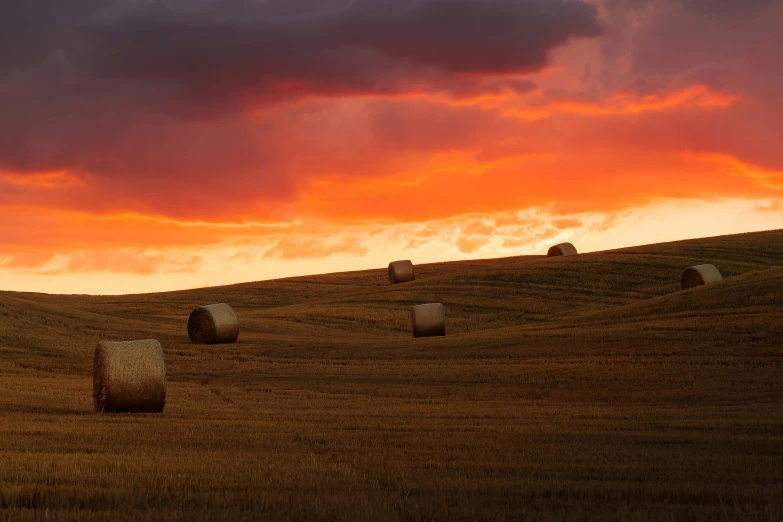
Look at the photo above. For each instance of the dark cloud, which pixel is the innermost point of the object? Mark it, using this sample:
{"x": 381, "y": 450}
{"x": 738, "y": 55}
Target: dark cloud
{"x": 662, "y": 44}
{"x": 361, "y": 44}
{"x": 30, "y": 30}
{"x": 149, "y": 98}
{"x": 659, "y": 47}
{"x": 248, "y": 51}
{"x": 726, "y": 8}
{"x": 697, "y": 41}
{"x": 711, "y": 8}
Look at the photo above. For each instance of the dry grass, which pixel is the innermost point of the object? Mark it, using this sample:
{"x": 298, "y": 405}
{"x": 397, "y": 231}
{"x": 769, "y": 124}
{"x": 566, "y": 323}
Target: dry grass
{"x": 567, "y": 388}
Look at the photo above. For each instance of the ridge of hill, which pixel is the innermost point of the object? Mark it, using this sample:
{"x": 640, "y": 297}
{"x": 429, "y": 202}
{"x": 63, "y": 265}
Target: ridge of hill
{"x": 479, "y": 297}
{"x": 584, "y": 387}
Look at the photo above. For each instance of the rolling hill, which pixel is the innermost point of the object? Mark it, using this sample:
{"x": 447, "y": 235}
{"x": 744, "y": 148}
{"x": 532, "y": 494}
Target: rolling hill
{"x": 573, "y": 387}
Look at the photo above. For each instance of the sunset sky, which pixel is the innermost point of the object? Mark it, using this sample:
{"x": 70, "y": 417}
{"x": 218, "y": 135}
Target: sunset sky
{"x": 151, "y": 145}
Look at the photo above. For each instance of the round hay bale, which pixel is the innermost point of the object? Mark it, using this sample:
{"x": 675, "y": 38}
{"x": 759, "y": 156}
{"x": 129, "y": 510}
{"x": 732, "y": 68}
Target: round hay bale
{"x": 401, "y": 272}
{"x": 700, "y": 275}
{"x": 563, "y": 249}
{"x": 213, "y": 324}
{"x": 129, "y": 376}
{"x": 428, "y": 320}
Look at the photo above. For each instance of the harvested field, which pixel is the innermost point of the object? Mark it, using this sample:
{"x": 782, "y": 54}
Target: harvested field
{"x": 567, "y": 388}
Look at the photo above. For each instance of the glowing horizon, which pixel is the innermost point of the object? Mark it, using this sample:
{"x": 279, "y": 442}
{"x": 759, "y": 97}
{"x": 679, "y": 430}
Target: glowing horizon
{"x": 122, "y": 170}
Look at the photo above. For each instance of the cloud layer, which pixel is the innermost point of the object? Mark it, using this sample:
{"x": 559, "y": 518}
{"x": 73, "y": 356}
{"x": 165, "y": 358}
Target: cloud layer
{"x": 184, "y": 124}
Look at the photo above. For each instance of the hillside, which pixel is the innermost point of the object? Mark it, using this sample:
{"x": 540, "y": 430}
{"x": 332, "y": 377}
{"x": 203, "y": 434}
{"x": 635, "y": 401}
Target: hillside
{"x": 585, "y": 386}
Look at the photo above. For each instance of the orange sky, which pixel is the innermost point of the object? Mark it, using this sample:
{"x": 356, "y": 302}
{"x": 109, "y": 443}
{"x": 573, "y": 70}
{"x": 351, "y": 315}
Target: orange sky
{"x": 157, "y": 175}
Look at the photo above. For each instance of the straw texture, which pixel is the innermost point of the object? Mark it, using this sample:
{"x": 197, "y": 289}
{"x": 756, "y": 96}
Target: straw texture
{"x": 563, "y": 249}
{"x": 213, "y": 324}
{"x": 700, "y": 275}
{"x": 129, "y": 376}
{"x": 428, "y": 320}
{"x": 401, "y": 272}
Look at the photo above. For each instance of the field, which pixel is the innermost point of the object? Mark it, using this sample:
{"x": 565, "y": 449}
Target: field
{"x": 585, "y": 387}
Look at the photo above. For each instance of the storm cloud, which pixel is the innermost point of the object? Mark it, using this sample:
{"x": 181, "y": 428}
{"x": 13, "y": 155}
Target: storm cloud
{"x": 226, "y": 53}
{"x": 224, "y": 108}
{"x": 734, "y": 48}
{"x": 150, "y": 98}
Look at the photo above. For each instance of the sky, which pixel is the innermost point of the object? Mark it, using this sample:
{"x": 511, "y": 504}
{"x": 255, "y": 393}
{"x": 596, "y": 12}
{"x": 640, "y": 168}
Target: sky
{"x": 150, "y": 145}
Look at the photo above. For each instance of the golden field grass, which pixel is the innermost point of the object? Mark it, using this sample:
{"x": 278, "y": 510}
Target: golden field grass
{"x": 586, "y": 387}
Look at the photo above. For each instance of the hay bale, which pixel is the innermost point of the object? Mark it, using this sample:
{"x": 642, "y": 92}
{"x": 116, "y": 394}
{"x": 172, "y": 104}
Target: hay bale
{"x": 428, "y": 320}
{"x": 129, "y": 376}
{"x": 213, "y": 324}
{"x": 401, "y": 272}
{"x": 563, "y": 249}
{"x": 700, "y": 275}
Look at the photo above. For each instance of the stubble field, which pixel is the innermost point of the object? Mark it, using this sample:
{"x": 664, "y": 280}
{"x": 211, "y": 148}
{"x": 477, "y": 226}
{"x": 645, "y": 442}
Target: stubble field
{"x": 566, "y": 388}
